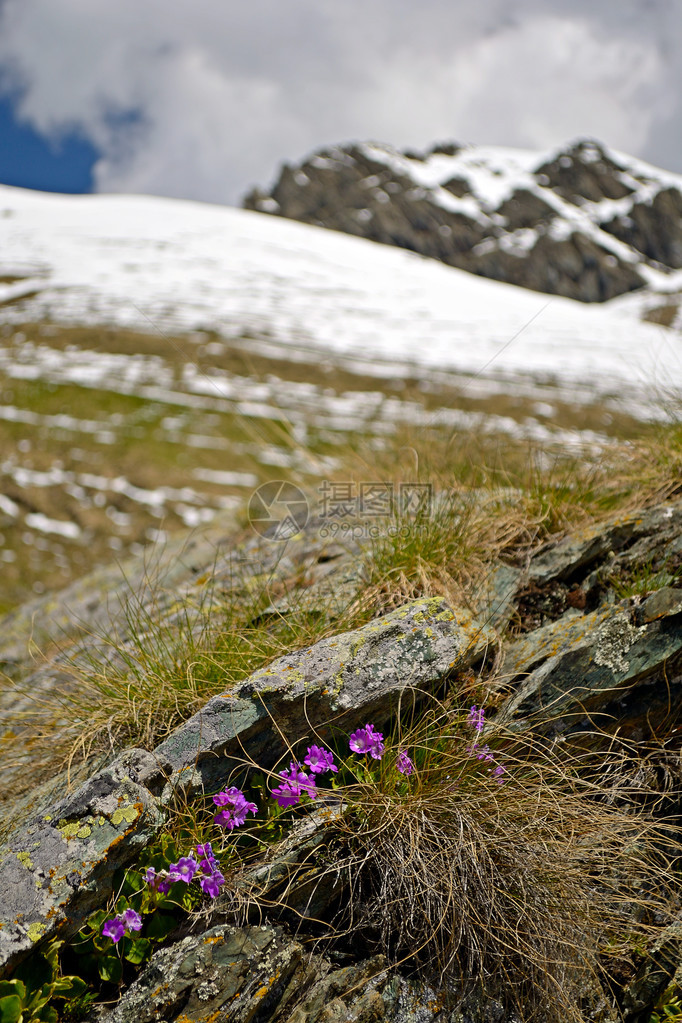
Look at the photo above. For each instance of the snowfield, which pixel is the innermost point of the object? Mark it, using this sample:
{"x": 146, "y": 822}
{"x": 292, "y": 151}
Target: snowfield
{"x": 177, "y": 266}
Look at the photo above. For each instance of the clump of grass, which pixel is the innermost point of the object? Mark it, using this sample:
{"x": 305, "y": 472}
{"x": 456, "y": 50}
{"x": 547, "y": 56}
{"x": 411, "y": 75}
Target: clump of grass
{"x": 510, "y": 890}
{"x": 493, "y": 498}
{"x": 133, "y": 686}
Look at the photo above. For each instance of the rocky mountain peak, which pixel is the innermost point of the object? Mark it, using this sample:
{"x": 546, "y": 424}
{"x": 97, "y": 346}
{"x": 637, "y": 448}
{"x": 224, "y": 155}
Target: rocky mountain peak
{"x": 582, "y": 222}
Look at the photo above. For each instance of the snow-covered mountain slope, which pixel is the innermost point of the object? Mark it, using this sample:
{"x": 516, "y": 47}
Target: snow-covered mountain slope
{"x": 584, "y": 221}
{"x": 151, "y": 263}
{"x": 246, "y": 348}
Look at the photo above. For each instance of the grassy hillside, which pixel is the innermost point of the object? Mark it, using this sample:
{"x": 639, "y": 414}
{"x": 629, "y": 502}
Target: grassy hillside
{"x": 112, "y": 439}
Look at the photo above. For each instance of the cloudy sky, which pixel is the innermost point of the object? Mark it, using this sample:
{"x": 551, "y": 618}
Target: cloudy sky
{"x": 204, "y": 98}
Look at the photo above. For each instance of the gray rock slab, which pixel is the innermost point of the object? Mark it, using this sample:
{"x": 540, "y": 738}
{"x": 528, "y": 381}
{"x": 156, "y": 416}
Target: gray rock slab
{"x": 585, "y": 547}
{"x": 339, "y": 683}
{"x": 59, "y": 867}
{"x": 227, "y": 973}
{"x": 527, "y": 653}
{"x": 620, "y": 663}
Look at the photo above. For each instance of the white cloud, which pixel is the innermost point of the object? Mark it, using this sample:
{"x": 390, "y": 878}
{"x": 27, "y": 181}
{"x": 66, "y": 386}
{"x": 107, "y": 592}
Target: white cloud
{"x": 552, "y": 78}
{"x": 203, "y": 99}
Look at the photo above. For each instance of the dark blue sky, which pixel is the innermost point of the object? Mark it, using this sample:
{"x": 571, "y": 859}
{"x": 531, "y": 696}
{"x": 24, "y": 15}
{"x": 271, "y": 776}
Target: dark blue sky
{"x": 28, "y": 160}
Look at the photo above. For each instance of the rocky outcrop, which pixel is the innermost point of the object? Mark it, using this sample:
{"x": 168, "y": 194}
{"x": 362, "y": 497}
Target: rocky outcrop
{"x": 652, "y": 227}
{"x": 581, "y": 641}
{"x": 61, "y": 862}
{"x": 582, "y": 223}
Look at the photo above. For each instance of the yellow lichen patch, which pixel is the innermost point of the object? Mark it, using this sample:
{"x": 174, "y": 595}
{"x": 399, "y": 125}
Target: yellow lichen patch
{"x": 75, "y": 829}
{"x": 129, "y": 814}
{"x": 35, "y": 932}
{"x": 67, "y": 830}
{"x": 25, "y": 860}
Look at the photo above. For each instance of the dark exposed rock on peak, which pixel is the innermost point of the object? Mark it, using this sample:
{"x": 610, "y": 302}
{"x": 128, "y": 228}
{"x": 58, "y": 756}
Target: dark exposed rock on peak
{"x": 582, "y": 223}
{"x": 584, "y": 171}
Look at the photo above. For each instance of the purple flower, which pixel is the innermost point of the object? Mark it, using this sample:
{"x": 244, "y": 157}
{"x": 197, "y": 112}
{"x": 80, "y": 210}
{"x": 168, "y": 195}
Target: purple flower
{"x": 366, "y": 740}
{"x": 404, "y": 764}
{"x": 114, "y": 929}
{"x": 183, "y": 870}
{"x": 497, "y": 774}
{"x": 482, "y": 753}
{"x": 207, "y": 861}
{"x": 159, "y": 882}
{"x": 132, "y": 920}
{"x": 296, "y": 783}
{"x": 117, "y": 926}
{"x": 476, "y": 718}
{"x": 212, "y": 883}
{"x": 320, "y": 760}
{"x": 236, "y": 808}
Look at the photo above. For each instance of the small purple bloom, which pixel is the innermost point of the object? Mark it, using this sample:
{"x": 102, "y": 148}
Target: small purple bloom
{"x": 404, "y": 764}
{"x": 367, "y": 740}
{"x": 320, "y": 760}
{"x": 150, "y": 876}
{"x": 211, "y": 885}
{"x": 483, "y": 753}
{"x": 296, "y": 783}
{"x": 235, "y": 809}
{"x": 114, "y": 929}
{"x": 476, "y": 718}
{"x": 497, "y": 774}
{"x": 163, "y": 887}
{"x": 132, "y": 920}
{"x": 183, "y": 870}
{"x": 208, "y": 861}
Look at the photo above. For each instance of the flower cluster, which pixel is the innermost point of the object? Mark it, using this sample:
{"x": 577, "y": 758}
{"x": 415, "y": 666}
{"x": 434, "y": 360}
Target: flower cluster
{"x": 235, "y": 808}
{"x": 117, "y": 926}
{"x": 296, "y": 783}
{"x": 367, "y": 740}
{"x": 320, "y": 760}
{"x": 204, "y": 867}
{"x": 206, "y": 870}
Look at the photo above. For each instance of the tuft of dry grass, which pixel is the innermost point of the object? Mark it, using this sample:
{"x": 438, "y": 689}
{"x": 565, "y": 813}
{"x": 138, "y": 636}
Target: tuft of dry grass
{"x": 514, "y": 890}
{"x": 134, "y": 687}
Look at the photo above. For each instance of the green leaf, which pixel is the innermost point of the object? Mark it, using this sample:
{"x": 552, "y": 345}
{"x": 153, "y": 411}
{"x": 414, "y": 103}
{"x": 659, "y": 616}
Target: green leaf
{"x": 110, "y": 968}
{"x": 160, "y": 926}
{"x": 69, "y": 987}
{"x": 10, "y": 1009}
{"x": 38, "y": 998}
{"x": 12, "y": 987}
{"x": 189, "y": 898}
{"x": 96, "y": 919}
{"x": 169, "y": 848}
{"x": 139, "y": 951}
